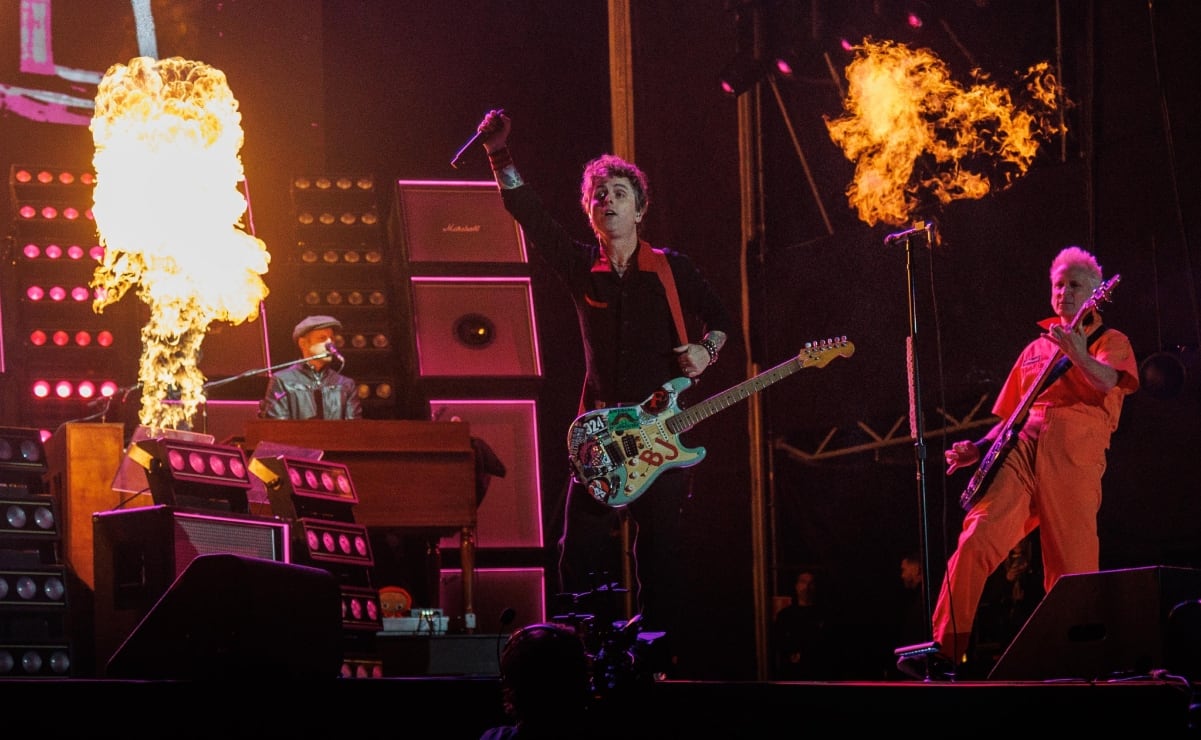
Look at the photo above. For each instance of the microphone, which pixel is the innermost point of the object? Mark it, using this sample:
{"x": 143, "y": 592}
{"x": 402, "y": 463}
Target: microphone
{"x": 332, "y": 350}
{"x": 924, "y": 226}
{"x": 470, "y": 143}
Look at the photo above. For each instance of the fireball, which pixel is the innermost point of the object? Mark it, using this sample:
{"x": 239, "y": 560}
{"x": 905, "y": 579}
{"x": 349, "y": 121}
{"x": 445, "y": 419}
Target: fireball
{"x": 167, "y": 135}
{"x": 920, "y": 139}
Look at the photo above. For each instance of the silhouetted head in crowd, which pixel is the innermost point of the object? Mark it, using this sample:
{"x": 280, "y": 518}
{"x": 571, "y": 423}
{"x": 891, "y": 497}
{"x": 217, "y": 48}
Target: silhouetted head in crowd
{"x": 545, "y": 679}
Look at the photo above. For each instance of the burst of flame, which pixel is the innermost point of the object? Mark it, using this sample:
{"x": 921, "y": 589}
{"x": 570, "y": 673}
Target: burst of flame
{"x": 918, "y": 139}
{"x": 167, "y": 137}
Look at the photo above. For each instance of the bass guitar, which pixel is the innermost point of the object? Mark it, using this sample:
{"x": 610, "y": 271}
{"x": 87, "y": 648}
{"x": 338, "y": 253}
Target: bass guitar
{"x": 617, "y": 452}
{"x": 1008, "y": 434}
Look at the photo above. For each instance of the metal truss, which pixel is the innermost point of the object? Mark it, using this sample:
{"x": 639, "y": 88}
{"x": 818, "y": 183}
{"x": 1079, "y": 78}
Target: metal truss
{"x": 891, "y": 438}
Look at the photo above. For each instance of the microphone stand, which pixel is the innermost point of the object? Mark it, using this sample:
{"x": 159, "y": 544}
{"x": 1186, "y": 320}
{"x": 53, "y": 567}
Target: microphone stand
{"x": 125, "y": 391}
{"x": 261, "y": 370}
{"x": 204, "y": 417}
{"x": 917, "y": 425}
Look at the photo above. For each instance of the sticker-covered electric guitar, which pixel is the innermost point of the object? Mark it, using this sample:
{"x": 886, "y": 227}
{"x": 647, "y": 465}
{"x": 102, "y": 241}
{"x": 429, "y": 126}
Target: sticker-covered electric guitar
{"x": 617, "y": 452}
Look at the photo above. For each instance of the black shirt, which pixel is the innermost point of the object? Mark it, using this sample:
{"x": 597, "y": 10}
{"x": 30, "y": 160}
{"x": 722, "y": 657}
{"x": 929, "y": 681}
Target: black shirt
{"x": 625, "y": 320}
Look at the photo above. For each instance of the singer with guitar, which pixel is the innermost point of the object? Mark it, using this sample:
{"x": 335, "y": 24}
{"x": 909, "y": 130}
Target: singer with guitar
{"x": 646, "y": 316}
{"x": 1047, "y": 460}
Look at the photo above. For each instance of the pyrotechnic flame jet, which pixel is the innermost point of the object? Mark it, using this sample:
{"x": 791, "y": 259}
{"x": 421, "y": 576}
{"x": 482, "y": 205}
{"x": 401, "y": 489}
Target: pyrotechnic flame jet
{"x": 168, "y": 210}
{"x": 920, "y": 140}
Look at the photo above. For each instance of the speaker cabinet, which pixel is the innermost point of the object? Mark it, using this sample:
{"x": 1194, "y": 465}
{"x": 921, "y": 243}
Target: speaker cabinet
{"x": 440, "y": 655}
{"x": 1100, "y": 625}
{"x": 497, "y": 589}
{"x": 510, "y": 514}
{"x": 455, "y": 221}
{"x": 233, "y": 616}
{"x": 140, "y": 552}
{"x": 82, "y": 459}
{"x": 475, "y": 327}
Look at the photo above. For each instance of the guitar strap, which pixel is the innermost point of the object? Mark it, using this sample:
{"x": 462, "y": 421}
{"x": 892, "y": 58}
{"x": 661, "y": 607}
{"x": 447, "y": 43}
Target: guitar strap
{"x": 656, "y": 259}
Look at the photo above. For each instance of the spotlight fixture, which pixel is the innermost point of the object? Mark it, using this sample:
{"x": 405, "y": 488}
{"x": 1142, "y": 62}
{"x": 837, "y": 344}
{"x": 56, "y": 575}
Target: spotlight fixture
{"x": 741, "y": 74}
{"x": 362, "y": 667}
{"x": 194, "y": 475}
{"x": 306, "y": 488}
{"x": 34, "y": 661}
{"x": 29, "y": 533}
{"x": 22, "y": 460}
{"x": 361, "y": 609}
{"x": 323, "y": 543}
{"x": 1163, "y": 374}
{"x": 786, "y": 63}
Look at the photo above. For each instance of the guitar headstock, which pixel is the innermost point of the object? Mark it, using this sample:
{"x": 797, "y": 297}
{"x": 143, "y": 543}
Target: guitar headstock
{"x": 1103, "y": 292}
{"x": 820, "y": 352}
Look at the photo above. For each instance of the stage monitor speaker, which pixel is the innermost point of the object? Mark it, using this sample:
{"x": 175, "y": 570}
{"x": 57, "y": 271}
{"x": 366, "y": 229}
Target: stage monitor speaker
{"x": 139, "y": 552}
{"x": 475, "y": 327}
{"x": 1100, "y": 625}
{"x": 230, "y": 616}
{"x": 455, "y": 221}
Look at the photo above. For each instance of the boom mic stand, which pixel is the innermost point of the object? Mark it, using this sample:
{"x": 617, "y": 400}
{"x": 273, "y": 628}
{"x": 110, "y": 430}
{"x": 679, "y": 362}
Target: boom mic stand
{"x": 257, "y": 371}
{"x": 922, "y": 651}
{"x": 261, "y": 370}
{"x": 125, "y": 391}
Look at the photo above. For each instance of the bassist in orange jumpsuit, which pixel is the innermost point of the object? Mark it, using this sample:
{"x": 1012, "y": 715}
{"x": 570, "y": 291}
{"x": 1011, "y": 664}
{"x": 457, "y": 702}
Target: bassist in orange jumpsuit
{"x": 1050, "y": 476}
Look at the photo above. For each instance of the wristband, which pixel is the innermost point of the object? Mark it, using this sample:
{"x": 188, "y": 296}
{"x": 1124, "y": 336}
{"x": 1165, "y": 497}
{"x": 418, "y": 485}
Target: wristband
{"x": 500, "y": 158}
{"x": 710, "y": 347}
{"x": 982, "y": 445}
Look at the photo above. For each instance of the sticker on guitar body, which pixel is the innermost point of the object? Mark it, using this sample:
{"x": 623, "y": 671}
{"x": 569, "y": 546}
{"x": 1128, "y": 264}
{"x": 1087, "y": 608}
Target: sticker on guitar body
{"x": 617, "y": 452}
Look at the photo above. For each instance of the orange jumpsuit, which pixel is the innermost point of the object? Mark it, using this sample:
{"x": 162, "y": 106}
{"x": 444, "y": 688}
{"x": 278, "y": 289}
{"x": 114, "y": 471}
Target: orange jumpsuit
{"x": 1050, "y": 479}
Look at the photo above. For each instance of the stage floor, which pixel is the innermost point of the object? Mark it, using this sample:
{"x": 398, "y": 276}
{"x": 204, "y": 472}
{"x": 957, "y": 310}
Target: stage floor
{"x": 452, "y": 708}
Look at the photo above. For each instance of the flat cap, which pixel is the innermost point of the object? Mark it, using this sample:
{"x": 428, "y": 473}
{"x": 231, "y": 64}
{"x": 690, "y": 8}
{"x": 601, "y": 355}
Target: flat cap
{"x": 309, "y": 323}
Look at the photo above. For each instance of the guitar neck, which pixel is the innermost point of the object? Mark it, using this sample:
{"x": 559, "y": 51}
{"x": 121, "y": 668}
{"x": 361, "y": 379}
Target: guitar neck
{"x": 693, "y": 415}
